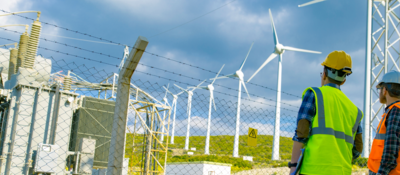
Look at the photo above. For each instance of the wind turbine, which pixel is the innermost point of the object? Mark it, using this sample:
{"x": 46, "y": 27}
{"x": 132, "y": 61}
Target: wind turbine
{"x": 311, "y": 2}
{"x": 165, "y": 103}
{"x": 174, "y": 104}
{"x": 238, "y": 74}
{"x": 210, "y": 87}
{"x": 189, "y": 111}
{"x": 279, "y": 50}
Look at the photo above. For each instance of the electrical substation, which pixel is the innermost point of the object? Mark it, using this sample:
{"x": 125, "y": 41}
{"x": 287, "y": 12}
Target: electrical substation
{"x": 48, "y": 128}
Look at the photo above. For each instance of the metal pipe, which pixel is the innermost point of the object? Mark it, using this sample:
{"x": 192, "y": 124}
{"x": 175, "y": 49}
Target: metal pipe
{"x": 54, "y": 119}
{"x": 76, "y": 163}
{"x": 8, "y": 44}
{"x": 386, "y": 34}
{"x": 31, "y": 135}
{"x": 12, "y": 140}
{"x": 38, "y": 13}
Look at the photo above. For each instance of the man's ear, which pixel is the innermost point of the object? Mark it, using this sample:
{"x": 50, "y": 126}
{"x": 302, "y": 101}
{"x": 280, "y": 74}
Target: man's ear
{"x": 384, "y": 91}
{"x": 324, "y": 76}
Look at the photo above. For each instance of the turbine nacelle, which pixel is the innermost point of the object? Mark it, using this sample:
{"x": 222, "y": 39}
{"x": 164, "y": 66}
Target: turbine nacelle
{"x": 239, "y": 74}
{"x": 210, "y": 87}
{"x": 279, "y": 49}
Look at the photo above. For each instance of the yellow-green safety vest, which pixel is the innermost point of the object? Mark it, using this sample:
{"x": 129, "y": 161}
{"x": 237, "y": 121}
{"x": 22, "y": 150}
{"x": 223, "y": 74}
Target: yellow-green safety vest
{"x": 329, "y": 148}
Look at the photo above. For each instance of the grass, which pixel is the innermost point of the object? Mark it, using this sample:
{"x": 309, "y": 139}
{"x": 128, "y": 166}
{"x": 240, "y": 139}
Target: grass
{"x": 221, "y": 148}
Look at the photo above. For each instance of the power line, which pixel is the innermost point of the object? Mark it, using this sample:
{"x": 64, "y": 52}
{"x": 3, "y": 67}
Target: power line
{"x": 154, "y": 54}
{"x": 191, "y": 20}
{"x": 64, "y": 28}
{"x": 110, "y": 64}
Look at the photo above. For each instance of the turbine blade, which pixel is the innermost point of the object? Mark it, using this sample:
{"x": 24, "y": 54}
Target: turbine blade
{"x": 225, "y": 76}
{"x": 244, "y": 85}
{"x": 273, "y": 28}
{"x": 201, "y": 83}
{"x": 201, "y": 87}
{"x": 180, "y": 93}
{"x": 270, "y": 58}
{"x": 166, "y": 91}
{"x": 212, "y": 98}
{"x": 215, "y": 107}
{"x": 246, "y": 56}
{"x": 180, "y": 88}
{"x": 311, "y": 2}
{"x": 218, "y": 74}
{"x": 299, "y": 50}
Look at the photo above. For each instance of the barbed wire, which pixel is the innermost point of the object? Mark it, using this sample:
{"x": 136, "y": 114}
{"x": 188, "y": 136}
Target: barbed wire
{"x": 168, "y": 78}
{"x": 154, "y": 54}
{"x": 110, "y": 64}
{"x": 214, "y": 90}
{"x": 64, "y": 28}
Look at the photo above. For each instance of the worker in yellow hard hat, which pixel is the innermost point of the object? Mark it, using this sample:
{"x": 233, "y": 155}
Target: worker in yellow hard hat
{"x": 328, "y": 134}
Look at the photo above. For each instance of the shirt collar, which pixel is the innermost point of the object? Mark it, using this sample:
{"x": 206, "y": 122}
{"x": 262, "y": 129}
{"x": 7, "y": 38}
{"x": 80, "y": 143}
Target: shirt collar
{"x": 333, "y": 85}
{"x": 391, "y": 105}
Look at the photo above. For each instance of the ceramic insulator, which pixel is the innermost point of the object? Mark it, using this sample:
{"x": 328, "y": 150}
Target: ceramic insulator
{"x": 32, "y": 45}
{"x": 67, "y": 83}
{"x": 22, "y": 50}
{"x": 13, "y": 62}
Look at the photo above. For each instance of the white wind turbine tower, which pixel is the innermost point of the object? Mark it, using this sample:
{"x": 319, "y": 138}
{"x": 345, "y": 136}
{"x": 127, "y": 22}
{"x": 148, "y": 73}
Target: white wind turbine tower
{"x": 210, "y": 87}
{"x": 174, "y": 104}
{"x": 165, "y": 103}
{"x": 189, "y": 111}
{"x": 279, "y": 50}
{"x": 311, "y": 2}
{"x": 238, "y": 74}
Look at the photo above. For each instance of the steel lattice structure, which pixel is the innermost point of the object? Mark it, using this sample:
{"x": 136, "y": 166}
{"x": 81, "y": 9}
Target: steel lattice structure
{"x": 382, "y": 56}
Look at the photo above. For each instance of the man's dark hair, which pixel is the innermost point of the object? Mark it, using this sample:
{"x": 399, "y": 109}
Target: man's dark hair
{"x": 340, "y": 73}
{"x": 393, "y": 89}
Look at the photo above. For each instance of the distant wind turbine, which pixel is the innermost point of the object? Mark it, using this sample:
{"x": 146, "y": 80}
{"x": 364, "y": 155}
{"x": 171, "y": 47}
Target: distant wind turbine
{"x": 311, "y": 2}
{"x": 174, "y": 104}
{"x": 165, "y": 103}
{"x": 238, "y": 74}
{"x": 189, "y": 111}
{"x": 210, "y": 87}
{"x": 279, "y": 50}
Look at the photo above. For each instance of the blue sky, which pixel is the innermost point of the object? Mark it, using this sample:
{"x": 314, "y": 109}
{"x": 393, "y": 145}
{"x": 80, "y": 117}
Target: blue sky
{"x": 221, "y": 37}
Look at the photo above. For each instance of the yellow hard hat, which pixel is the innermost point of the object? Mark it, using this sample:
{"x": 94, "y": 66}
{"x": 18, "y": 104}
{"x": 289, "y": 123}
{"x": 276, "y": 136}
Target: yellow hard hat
{"x": 338, "y": 60}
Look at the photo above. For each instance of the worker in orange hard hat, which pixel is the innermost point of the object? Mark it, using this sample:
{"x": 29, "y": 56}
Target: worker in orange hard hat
{"x": 328, "y": 134}
{"x": 384, "y": 157}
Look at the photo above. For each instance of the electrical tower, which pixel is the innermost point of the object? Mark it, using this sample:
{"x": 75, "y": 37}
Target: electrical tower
{"x": 382, "y": 56}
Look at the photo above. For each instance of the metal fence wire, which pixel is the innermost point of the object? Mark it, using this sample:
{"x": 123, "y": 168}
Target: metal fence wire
{"x": 57, "y": 117}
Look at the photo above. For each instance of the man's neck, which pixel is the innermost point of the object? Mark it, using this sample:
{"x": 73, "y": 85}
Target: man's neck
{"x": 390, "y": 100}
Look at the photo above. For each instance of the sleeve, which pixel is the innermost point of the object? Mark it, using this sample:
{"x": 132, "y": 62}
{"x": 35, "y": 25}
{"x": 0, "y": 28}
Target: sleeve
{"x": 358, "y": 143}
{"x": 306, "y": 112}
{"x": 358, "y": 146}
{"x": 392, "y": 142}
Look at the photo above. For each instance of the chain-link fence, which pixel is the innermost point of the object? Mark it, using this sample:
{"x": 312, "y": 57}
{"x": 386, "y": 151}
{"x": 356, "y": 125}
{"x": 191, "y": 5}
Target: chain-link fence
{"x": 59, "y": 117}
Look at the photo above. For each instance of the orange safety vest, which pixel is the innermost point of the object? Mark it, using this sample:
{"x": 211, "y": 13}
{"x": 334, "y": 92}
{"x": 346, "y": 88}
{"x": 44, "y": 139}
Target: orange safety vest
{"x": 375, "y": 157}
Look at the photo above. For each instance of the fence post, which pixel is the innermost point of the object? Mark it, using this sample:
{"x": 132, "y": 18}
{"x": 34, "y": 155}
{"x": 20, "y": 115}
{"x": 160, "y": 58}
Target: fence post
{"x": 118, "y": 136}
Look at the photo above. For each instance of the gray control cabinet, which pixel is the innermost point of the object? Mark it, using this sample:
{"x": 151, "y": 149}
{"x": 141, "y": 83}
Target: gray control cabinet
{"x": 94, "y": 119}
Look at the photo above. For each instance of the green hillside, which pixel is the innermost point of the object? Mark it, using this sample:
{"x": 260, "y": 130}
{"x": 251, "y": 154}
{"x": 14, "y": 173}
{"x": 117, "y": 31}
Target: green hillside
{"x": 221, "y": 148}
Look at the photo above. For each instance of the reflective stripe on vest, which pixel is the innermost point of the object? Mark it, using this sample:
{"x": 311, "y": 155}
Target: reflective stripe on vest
{"x": 379, "y": 136}
{"x": 322, "y": 129}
